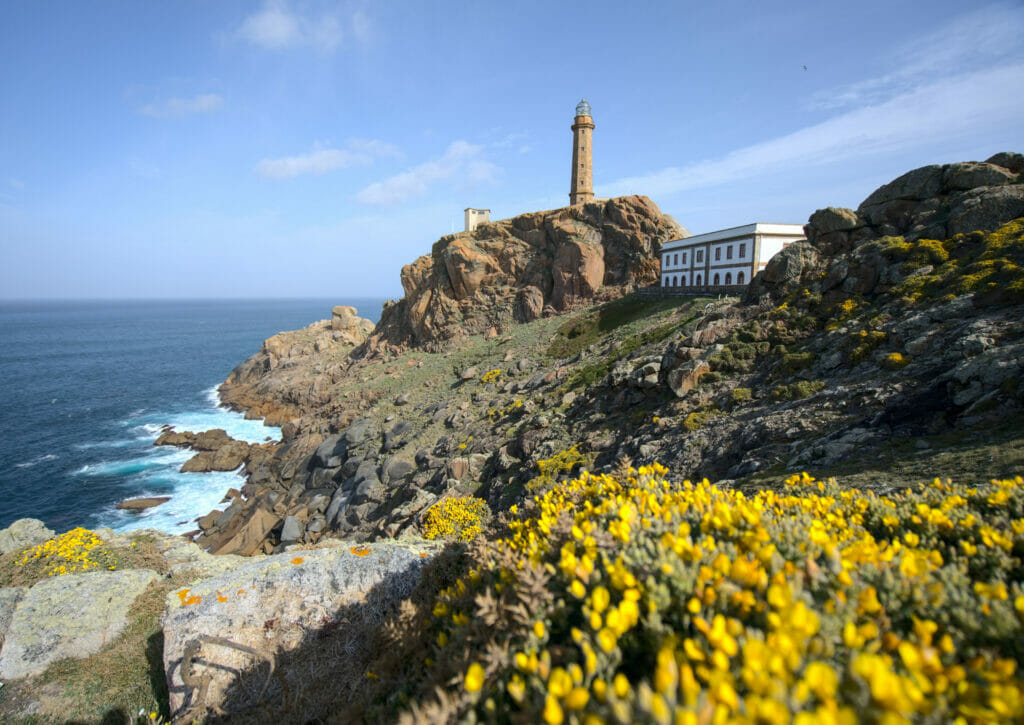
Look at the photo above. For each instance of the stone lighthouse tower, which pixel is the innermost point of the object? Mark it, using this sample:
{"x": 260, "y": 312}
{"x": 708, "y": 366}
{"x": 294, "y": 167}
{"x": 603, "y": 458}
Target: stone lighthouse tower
{"x": 582, "y": 189}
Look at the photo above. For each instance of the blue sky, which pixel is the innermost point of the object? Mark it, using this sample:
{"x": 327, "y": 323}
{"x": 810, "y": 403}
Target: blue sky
{"x": 310, "y": 149}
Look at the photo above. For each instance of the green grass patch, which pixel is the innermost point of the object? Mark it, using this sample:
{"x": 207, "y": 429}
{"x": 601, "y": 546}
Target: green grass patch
{"x": 585, "y": 330}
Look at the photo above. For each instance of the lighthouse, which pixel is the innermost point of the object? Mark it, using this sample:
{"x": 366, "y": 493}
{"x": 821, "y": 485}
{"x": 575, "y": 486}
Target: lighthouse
{"x": 582, "y": 189}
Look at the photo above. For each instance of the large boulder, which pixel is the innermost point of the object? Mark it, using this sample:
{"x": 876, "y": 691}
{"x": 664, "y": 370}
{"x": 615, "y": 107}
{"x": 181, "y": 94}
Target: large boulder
{"x": 932, "y": 202}
{"x": 73, "y": 615}
{"x": 22, "y": 534}
{"x": 272, "y": 604}
{"x": 512, "y": 270}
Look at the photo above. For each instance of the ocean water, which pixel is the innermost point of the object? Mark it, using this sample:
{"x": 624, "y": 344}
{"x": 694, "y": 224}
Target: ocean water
{"x": 85, "y": 388}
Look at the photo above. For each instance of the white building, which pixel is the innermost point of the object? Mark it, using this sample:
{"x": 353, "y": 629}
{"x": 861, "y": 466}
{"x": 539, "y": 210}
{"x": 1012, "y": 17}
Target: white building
{"x": 726, "y": 257}
{"x": 475, "y": 217}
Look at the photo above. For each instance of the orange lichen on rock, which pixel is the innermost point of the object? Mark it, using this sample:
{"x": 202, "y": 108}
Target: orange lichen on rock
{"x": 360, "y": 550}
{"x": 297, "y": 560}
{"x": 186, "y": 600}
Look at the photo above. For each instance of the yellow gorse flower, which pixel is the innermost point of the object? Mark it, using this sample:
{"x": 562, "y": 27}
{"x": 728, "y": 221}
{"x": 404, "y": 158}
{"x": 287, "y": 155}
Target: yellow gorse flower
{"x": 686, "y": 602}
{"x": 76, "y": 550}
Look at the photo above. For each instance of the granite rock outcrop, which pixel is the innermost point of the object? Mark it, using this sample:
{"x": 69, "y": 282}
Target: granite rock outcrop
{"x": 516, "y": 269}
{"x": 291, "y": 370}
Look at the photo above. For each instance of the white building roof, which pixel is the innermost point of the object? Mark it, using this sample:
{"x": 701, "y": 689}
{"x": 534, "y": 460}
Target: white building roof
{"x": 747, "y": 230}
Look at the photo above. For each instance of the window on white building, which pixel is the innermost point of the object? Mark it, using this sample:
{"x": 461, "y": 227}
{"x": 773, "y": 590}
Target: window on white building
{"x": 743, "y": 249}
{"x": 728, "y": 277}
{"x": 697, "y": 282}
{"x": 684, "y": 258}
{"x": 717, "y": 278}
{"x": 728, "y": 252}
{"x": 700, "y": 256}
{"x": 718, "y": 253}
{"x": 739, "y": 278}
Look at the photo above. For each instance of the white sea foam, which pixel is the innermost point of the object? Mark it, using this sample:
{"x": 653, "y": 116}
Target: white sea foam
{"x": 155, "y": 473}
{"x": 36, "y": 461}
{"x": 192, "y": 495}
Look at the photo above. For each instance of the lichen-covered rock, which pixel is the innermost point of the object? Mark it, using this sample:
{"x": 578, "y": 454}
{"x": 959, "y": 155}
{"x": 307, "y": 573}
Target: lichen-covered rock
{"x": 73, "y": 615}
{"x": 9, "y": 598}
{"x": 22, "y": 534}
{"x": 269, "y": 604}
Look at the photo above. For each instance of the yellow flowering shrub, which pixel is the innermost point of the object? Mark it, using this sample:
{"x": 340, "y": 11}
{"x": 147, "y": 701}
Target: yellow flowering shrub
{"x": 638, "y": 599}
{"x": 460, "y": 518}
{"x": 76, "y": 550}
{"x": 491, "y": 376}
{"x": 894, "y": 361}
{"x": 550, "y": 468}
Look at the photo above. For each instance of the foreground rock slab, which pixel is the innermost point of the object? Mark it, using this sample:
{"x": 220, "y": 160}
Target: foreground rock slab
{"x": 272, "y": 603}
{"x": 74, "y": 615}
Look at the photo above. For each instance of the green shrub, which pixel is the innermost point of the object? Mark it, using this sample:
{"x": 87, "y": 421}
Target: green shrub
{"x": 740, "y": 395}
{"x": 696, "y": 420}
{"x": 797, "y": 361}
{"x": 798, "y": 390}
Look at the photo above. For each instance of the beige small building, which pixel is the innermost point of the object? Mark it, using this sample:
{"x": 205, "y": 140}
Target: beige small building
{"x": 727, "y": 257}
{"x": 475, "y": 217}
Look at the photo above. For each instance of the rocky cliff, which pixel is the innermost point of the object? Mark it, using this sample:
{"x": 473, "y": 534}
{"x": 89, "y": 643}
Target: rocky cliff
{"x": 887, "y": 350}
{"x": 870, "y": 331}
{"x": 521, "y": 268}
{"x": 290, "y": 371}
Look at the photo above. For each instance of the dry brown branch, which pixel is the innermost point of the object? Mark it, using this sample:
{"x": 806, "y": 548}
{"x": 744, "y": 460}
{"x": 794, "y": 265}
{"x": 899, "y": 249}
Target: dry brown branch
{"x": 199, "y": 684}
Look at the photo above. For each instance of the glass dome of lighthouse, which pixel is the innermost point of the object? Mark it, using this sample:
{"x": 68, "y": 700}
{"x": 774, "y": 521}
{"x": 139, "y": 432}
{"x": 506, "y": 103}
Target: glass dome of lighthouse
{"x": 583, "y": 108}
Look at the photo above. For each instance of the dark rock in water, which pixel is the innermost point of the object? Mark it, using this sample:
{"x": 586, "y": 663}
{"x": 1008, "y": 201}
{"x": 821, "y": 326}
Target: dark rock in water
{"x": 141, "y": 504}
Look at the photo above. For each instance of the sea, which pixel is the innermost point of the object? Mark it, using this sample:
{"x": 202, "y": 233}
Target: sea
{"x": 87, "y": 386}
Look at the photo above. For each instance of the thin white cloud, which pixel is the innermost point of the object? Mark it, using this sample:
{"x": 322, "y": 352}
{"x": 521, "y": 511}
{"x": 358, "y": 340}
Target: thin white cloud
{"x": 461, "y": 161}
{"x": 278, "y": 26}
{"x": 950, "y": 109}
{"x": 362, "y": 30}
{"x": 322, "y": 160}
{"x": 177, "y": 107}
{"x": 974, "y": 41}
{"x": 516, "y": 139}
{"x": 14, "y": 183}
